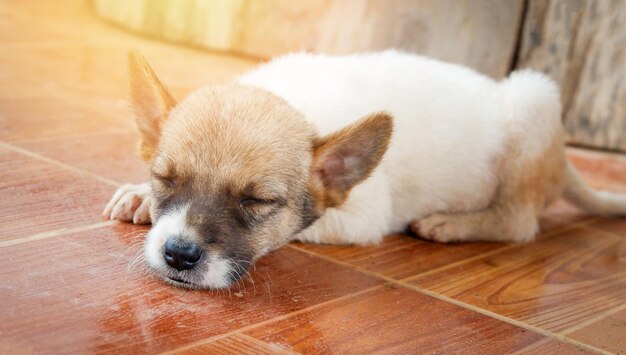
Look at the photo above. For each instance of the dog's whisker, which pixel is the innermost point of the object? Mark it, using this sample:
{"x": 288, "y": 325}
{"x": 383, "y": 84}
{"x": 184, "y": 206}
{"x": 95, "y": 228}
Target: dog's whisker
{"x": 267, "y": 285}
{"x": 130, "y": 247}
{"x": 270, "y": 277}
{"x": 252, "y": 281}
{"x": 138, "y": 259}
{"x": 236, "y": 266}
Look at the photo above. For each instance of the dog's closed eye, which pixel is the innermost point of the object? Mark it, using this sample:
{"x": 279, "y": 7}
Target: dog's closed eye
{"x": 166, "y": 181}
{"x": 256, "y": 210}
{"x": 253, "y": 202}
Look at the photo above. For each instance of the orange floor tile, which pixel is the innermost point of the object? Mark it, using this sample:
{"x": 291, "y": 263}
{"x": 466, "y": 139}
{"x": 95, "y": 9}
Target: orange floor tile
{"x": 70, "y": 281}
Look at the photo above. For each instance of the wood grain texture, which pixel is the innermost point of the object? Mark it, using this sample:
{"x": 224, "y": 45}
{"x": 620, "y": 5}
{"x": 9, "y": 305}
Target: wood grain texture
{"x": 582, "y": 44}
{"x": 608, "y": 333}
{"x": 235, "y": 344}
{"x": 109, "y": 154}
{"x": 552, "y": 346}
{"x": 40, "y": 197}
{"x": 401, "y": 256}
{"x": 554, "y": 283}
{"x": 481, "y": 34}
{"x": 612, "y": 225}
{"x": 398, "y": 321}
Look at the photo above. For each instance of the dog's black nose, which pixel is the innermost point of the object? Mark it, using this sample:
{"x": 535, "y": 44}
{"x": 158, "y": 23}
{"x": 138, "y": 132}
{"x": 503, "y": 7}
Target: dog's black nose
{"x": 181, "y": 257}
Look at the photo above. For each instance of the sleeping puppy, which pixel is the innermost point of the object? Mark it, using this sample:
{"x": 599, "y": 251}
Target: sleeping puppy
{"x": 343, "y": 150}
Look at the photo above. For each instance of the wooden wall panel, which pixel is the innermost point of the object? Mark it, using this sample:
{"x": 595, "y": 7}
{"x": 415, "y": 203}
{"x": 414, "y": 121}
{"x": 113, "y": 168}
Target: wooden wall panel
{"x": 582, "y": 45}
{"x": 479, "y": 33}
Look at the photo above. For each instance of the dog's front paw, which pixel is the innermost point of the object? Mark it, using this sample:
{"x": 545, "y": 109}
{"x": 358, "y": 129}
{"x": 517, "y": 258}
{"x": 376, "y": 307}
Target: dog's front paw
{"x": 437, "y": 227}
{"x": 130, "y": 203}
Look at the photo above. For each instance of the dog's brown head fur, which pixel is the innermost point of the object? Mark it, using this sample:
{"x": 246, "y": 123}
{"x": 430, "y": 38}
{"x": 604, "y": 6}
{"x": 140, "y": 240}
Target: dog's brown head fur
{"x": 237, "y": 172}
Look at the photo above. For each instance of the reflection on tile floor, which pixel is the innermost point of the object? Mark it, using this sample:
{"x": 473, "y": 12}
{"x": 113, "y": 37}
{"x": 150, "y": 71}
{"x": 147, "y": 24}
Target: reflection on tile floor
{"x": 72, "y": 283}
{"x": 84, "y": 292}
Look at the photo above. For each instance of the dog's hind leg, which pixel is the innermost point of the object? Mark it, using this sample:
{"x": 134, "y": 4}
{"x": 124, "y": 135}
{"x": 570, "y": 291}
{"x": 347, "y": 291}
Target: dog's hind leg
{"x": 130, "y": 203}
{"x": 526, "y": 186}
{"x": 498, "y": 223}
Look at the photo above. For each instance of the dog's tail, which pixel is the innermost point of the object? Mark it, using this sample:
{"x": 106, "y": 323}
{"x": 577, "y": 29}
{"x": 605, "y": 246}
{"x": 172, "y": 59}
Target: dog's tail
{"x": 602, "y": 203}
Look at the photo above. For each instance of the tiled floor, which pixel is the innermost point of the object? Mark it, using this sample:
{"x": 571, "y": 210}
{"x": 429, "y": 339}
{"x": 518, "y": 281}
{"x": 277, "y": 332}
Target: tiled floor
{"x": 68, "y": 283}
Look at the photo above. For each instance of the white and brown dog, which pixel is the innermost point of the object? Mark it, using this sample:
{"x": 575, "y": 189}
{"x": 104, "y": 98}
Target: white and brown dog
{"x": 343, "y": 150}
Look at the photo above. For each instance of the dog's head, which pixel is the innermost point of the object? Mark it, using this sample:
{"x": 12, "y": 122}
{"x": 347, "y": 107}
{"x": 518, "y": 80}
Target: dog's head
{"x": 237, "y": 172}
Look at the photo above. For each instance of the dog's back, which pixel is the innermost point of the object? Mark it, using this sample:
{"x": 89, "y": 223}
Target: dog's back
{"x": 449, "y": 123}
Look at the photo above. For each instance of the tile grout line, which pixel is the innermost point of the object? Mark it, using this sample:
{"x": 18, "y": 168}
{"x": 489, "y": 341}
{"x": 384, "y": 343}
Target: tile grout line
{"x": 58, "y": 163}
{"x": 54, "y": 233}
{"x": 264, "y": 343}
{"x": 520, "y": 324}
{"x": 389, "y": 280}
{"x": 597, "y": 318}
{"x": 467, "y": 306}
{"x": 549, "y": 234}
{"x": 71, "y": 135}
{"x": 271, "y": 320}
{"x": 603, "y": 232}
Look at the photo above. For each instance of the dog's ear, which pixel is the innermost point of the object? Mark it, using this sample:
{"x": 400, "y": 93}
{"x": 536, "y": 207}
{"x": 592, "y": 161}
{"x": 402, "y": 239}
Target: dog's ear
{"x": 151, "y": 101}
{"x": 347, "y": 157}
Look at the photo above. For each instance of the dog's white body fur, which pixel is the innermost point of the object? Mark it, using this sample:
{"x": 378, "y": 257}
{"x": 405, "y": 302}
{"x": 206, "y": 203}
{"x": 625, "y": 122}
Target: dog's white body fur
{"x": 450, "y": 126}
